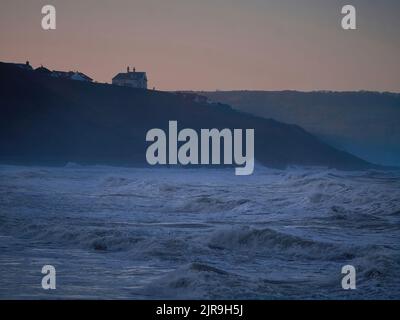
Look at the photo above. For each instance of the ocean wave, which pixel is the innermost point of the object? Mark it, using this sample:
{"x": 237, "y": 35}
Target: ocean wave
{"x": 252, "y": 240}
{"x": 197, "y": 280}
{"x": 207, "y": 203}
{"x": 248, "y": 238}
{"x": 206, "y": 234}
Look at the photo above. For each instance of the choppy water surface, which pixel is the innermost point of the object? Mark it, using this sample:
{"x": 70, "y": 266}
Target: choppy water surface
{"x": 198, "y": 233}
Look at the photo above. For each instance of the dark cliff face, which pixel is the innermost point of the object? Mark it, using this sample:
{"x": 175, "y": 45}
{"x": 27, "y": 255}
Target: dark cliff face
{"x": 47, "y": 120}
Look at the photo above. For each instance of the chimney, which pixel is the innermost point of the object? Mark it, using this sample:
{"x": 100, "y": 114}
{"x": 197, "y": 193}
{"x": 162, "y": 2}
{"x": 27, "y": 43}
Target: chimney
{"x": 127, "y": 69}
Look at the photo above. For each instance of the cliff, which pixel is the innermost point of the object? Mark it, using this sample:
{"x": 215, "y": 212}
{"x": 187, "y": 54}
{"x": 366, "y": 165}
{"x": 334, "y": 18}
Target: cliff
{"x": 54, "y": 121}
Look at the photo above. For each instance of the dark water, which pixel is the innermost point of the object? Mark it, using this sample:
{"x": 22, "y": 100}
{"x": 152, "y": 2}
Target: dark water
{"x": 176, "y": 233}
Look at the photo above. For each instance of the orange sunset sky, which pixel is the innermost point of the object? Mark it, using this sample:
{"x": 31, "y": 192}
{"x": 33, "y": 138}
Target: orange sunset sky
{"x": 210, "y": 45}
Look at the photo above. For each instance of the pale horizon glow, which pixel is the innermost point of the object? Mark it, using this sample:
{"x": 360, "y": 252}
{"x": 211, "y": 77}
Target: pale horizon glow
{"x": 212, "y": 45}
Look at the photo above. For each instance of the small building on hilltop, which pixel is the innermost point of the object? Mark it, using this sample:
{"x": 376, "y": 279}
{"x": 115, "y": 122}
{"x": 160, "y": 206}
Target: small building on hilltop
{"x": 79, "y": 76}
{"x": 71, "y": 75}
{"x": 131, "y": 79}
{"x": 25, "y": 66}
{"x": 192, "y": 96}
{"x": 43, "y": 71}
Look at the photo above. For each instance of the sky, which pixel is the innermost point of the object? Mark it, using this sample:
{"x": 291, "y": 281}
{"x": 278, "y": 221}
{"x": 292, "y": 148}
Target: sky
{"x": 212, "y": 44}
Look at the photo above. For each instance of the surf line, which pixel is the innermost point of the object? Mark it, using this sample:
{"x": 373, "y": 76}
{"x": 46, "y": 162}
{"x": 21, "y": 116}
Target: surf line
{"x": 190, "y": 153}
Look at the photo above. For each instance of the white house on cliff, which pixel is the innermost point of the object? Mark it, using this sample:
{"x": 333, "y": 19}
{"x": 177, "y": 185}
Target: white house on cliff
{"x": 131, "y": 79}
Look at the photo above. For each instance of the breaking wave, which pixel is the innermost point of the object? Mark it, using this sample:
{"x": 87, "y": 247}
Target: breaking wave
{"x": 202, "y": 233}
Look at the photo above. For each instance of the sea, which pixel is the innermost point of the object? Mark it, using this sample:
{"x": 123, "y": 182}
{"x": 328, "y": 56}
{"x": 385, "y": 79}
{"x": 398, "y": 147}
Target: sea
{"x": 198, "y": 233}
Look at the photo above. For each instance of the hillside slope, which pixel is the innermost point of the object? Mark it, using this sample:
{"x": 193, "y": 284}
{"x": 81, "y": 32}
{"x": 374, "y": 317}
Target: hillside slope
{"x": 366, "y": 124}
{"x": 47, "y": 120}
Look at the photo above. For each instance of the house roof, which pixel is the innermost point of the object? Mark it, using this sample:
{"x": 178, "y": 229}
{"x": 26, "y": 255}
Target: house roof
{"x": 131, "y": 76}
{"x": 61, "y": 74}
{"x": 79, "y": 75}
{"x": 71, "y": 75}
{"x": 42, "y": 70}
{"x": 23, "y": 65}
